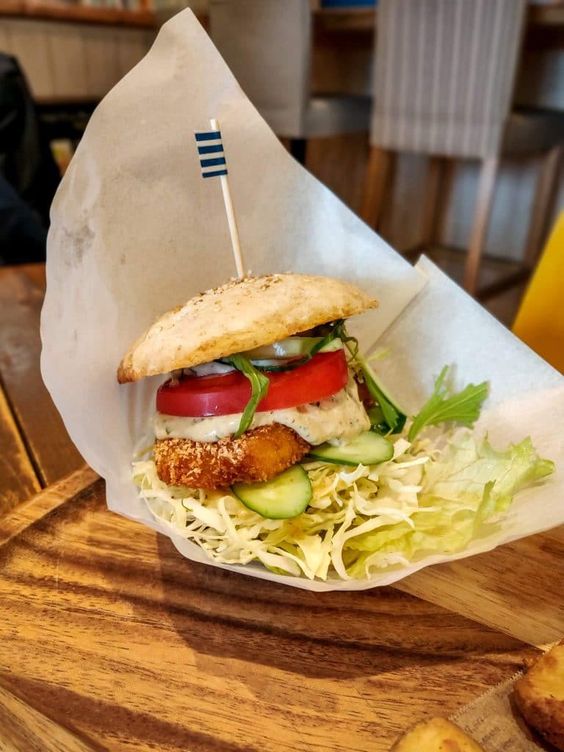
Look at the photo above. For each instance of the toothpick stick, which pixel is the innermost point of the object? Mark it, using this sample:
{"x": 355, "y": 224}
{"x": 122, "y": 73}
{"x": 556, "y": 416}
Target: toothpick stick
{"x": 232, "y": 222}
{"x": 213, "y": 165}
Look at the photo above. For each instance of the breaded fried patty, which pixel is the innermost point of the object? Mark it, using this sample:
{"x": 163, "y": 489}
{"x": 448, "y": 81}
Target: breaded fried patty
{"x": 539, "y": 695}
{"x": 256, "y": 456}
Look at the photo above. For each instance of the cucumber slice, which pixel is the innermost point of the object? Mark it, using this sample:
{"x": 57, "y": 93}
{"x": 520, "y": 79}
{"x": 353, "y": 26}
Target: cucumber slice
{"x": 288, "y": 364}
{"x": 332, "y": 345}
{"x": 278, "y": 364}
{"x": 287, "y": 495}
{"x": 291, "y": 347}
{"x": 367, "y": 448}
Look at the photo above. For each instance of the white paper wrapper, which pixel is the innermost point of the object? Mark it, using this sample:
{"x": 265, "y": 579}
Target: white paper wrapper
{"x": 136, "y": 231}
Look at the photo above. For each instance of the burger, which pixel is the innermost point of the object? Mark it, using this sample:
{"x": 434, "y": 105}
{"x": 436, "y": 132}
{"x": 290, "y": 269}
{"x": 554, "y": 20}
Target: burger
{"x": 259, "y": 381}
{"x": 274, "y": 441}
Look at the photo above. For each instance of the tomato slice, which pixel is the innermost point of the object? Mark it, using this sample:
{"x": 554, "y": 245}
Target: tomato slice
{"x": 200, "y": 396}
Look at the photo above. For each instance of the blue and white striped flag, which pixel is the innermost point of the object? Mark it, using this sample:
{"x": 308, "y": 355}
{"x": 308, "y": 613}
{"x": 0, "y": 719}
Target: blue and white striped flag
{"x": 213, "y": 164}
{"x": 210, "y": 150}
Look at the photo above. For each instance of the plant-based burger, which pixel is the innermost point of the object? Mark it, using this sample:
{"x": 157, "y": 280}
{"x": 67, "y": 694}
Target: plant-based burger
{"x": 274, "y": 441}
{"x": 259, "y": 377}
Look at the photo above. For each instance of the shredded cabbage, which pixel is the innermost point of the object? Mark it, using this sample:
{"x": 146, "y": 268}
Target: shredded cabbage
{"x": 431, "y": 497}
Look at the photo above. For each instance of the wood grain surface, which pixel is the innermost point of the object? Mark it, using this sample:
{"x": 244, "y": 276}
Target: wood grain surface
{"x": 110, "y": 640}
{"x": 38, "y": 506}
{"x": 116, "y": 642}
{"x": 23, "y": 727}
{"x": 56, "y": 11}
{"x": 517, "y": 588}
{"x": 17, "y": 476}
{"x": 47, "y": 444}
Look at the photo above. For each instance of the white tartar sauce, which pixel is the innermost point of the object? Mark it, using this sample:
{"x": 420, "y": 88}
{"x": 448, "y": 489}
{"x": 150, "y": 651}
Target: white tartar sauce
{"x": 338, "y": 418}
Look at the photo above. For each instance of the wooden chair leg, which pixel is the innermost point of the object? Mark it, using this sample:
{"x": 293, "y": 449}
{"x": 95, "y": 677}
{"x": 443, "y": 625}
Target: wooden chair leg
{"x": 447, "y": 190}
{"x": 544, "y": 196}
{"x": 375, "y": 184}
{"x": 484, "y": 198}
{"x": 431, "y": 200}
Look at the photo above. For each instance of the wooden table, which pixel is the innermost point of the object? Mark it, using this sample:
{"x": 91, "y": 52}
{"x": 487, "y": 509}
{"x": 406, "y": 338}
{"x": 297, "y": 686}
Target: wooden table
{"x": 74, "y": 13}
{"x": 35, "y": 450}
{"x": 109, "y": 640}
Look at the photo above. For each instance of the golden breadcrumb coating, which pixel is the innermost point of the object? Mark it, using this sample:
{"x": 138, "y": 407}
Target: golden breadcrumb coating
{"x": 436, "y": 735}
{"x": 539, "y": 695}
{"x": 256, "y": 456}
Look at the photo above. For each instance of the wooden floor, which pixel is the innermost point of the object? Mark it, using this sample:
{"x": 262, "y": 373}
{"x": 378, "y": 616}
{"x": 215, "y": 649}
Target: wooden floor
{"x": 339, "y": 163}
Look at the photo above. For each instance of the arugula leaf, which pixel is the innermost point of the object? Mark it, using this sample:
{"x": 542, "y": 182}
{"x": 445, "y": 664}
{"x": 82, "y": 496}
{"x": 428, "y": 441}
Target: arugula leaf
{"x": 390, "y": 419}
{"x": 260, "y": 383}
{"x": 445, "y": 407}
{"x": 335, "y": 330}
{"x": 377, "y": 421}
{"x": 394, "y": 418}
{"x": 259, "y": 388}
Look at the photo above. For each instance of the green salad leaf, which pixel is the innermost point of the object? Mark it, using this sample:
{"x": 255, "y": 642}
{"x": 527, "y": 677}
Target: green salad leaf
{"x": 389, "y": 418}
{"x": 445, "y": 407}
{"x": 361, "y": 521}
{"x": 468, "y": 488}
{"x": 393, "y": 418}
{"x": 259, "y": 389}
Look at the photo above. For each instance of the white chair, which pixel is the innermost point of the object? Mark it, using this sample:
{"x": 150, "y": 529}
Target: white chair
{"x": 267, "y": 45}
{"x": 444, "y": 77}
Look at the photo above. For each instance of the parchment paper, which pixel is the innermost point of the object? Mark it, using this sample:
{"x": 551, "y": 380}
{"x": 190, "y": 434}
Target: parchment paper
{"x": 136, "y": 230}
{"x": 495, "y": 724}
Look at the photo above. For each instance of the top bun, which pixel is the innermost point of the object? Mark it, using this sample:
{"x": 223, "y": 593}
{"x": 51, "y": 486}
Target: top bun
{"x": 239, "y": 316}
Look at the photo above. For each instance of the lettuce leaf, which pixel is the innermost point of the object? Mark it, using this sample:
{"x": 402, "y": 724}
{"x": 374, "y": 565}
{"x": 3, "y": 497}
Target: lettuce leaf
{"x": 425, "y": 500}
{"x": 470, "y": 486}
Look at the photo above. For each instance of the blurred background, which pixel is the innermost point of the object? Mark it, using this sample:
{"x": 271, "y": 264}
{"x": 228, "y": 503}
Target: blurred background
{"x": 440, "y": 122}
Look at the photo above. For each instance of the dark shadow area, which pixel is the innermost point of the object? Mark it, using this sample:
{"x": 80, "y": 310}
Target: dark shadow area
{"x": 531, "y": 734}
{"x": 29, "y": 175}
{"x": 118, "y": 724}
{"x": 130, "y": 600}
{"x": 218, "y": 613}
{"x": 334, "y": 634}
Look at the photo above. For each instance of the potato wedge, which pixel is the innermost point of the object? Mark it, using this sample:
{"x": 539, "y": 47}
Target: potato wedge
{"x": 436, "y": 735}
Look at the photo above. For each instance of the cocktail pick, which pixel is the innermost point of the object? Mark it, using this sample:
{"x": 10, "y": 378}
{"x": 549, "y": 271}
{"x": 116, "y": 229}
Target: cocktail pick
{"x": 214, "y": 164}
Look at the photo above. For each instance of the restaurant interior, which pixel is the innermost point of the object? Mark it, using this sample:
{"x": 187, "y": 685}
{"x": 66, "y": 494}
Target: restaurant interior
{"x": 443, "y": 133}
{"x": 440, "y": 124}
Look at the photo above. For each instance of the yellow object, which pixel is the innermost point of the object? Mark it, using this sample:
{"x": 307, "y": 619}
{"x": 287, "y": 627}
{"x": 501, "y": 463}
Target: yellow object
{"x": 540, "y": 321}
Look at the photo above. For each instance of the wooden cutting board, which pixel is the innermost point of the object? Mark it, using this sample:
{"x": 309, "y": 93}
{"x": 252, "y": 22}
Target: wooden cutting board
{"x": 109, "y": 639}
{"x": 518, "y": 588}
